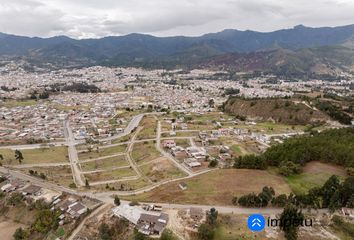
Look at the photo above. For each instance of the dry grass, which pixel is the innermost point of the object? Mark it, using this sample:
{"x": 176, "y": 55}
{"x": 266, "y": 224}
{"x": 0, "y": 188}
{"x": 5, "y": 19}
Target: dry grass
{"x": 217, "y": 187}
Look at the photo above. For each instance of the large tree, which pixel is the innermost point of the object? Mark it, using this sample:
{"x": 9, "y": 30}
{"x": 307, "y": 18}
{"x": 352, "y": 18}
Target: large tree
{"x": 19, "y": 156}
{"x": 290, "y": 214}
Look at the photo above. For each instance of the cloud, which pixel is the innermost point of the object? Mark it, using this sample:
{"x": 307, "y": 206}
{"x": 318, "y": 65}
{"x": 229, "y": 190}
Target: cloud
{"x": 97, "y": 18}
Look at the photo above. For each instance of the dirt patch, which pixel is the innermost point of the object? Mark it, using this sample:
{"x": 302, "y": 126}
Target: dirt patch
{"x": 217, "y": 187}
{"x": 8, "y": 228}
{"x": 319, "y": 167}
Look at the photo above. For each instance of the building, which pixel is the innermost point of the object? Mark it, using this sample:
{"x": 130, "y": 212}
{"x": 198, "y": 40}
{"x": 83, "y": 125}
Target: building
{"x": 32, "y": 190}
{"x": 169, "y": 143}
{"x": 183, "y": 186}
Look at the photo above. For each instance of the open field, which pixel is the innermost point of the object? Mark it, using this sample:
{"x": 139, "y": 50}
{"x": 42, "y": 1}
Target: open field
{"x": 314, "y": 174}
{"x": 181, "y": 134}
{"x": 19, "y": 103}
{"x": 108, "y": 163}
{"x": 144, "y": 152}
{"x": 149, "y": 125}
{"x": 110, "y": 175}
{"x": 60, "y": 175}
{"x": 210, "y": 188}
{"x": 8, "y": 228}
{"x": 161, "y": 170}
{"x": 231, "y": 226}
{"x": 35, "y": 156}
{"x": 122, "y": 186}
{"x": 102, "y": 152}
{"x": 272, "y": 128}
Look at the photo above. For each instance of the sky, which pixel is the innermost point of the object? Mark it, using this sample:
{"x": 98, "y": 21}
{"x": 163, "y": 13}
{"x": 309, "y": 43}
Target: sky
{"x": 99, "y": 18}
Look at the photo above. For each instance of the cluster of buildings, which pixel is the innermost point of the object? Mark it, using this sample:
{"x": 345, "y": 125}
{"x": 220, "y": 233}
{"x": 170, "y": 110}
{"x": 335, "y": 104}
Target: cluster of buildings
{"x": 150, "y": 223}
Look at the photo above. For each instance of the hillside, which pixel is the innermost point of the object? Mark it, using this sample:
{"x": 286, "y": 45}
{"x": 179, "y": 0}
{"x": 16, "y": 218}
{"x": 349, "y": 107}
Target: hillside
{"x": 278, "y": 110}
{"x": 297, "y": 50}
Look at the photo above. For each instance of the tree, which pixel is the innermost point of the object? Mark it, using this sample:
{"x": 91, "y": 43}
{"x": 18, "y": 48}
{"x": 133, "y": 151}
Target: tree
{"x": 1, "y": 157}
{"x": 328, "y": 190}
{"x": 205, "y": 232}
{"x": 167, "y": 235}
{"x": 213, "y": 163}
{"x": 20, "y": 234}
{"x": 211, "y": 103}
{"x": 212, "y": 216}
{"x": 18, "y": 156}
{"x": 116, "y": 200}
{"x": 290, "y": 215}
{"x": 105, "y": 232}
{"x": 280, "y": 201}
{"x": 87, "y": 185}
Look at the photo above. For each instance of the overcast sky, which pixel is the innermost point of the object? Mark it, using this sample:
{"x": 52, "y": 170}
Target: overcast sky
{"x": 98, "y": 18}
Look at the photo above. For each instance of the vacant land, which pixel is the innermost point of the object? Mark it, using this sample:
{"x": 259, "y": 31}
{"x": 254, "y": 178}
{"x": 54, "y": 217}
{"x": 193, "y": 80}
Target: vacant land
{"x": 314, "y": 174}
{"x": 272, "y": 128}
{"x": 60, "y": 175}
{"x": 144, "y": 152}
{"x": 149, "y": 125}
{"x": 210, "y": 188}
{"x": 161, "y": 170}
{"x": 108, "y": 163}
{"x": 231, "y": 226}
{"x": 35, "y": 156}
{"x": 110, "y": 175}
{"x": 102, "y": 152}
{"x": 19, "y": 103}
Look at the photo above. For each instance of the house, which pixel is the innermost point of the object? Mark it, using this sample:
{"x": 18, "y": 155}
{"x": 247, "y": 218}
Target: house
{"x": 192, "y": 162}
{"x": 32, "y": 190}
{"x": 183, "y": 186}
{"x": 169, "y": 143}
{"x": 77, "y": 209}
{"x": 150, "y": 224}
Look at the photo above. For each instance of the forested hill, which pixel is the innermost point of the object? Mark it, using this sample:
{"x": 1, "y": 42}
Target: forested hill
{"x": 335, "y": 146}
{"x": 278, "y": 51}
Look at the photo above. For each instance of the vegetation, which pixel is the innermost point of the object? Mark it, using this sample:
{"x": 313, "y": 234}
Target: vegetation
{"x": 291, "y": 214}
{"x": 334, "y": 112}
{"x": 207, "y": 231}
{"x": 343, "y": 227}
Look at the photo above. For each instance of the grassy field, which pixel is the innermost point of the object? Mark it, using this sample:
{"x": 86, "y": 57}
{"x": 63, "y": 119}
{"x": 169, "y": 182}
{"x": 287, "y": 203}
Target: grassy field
{"x": 314, "y": 174}
{"x": 231, "y": 227}
{"x": 149, "y": 125}
{"x": 210, "y": 188}
{"x": 108, "y": 163}
{"x": 60, "y": 175}
{"x": 144, "y": 152}
{"x": 122, "y": 186}
{"x": 34, "y": 156}
{"x": 102, "y": 152}
{"x": 110, "y": 175}
{"x": 161, "y": 170}
{"x": 19, "y": 103}
{"x": 272, "y": 128}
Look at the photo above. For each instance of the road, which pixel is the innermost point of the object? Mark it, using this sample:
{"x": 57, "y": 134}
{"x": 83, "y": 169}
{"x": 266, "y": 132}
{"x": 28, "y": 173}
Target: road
{"x": 107, "y": 197}
{"x": 73, "y": 157}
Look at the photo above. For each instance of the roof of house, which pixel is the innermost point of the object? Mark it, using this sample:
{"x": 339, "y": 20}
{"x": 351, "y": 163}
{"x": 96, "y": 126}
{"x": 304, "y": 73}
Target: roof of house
{"x": 32, "y": 189}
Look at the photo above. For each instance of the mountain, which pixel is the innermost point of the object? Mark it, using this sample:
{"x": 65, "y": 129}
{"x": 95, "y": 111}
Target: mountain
{"x": 240, "y": 47}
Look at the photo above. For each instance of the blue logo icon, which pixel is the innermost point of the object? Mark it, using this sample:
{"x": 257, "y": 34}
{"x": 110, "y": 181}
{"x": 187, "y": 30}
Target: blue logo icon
{"x": 256, "y": 222}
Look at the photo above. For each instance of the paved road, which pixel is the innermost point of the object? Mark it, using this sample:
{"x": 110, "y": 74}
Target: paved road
{"x": 73, "y": 157}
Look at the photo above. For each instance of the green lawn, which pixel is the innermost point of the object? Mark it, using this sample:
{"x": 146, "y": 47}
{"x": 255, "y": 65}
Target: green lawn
{"x": 33, "y": 156}
{"x": 108, "y": 163}
{"x": 102, "y": 152}
{"x": 110, "y": 175}
{"x": 301, "y": 183}
{"x": 19, "y": 103}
